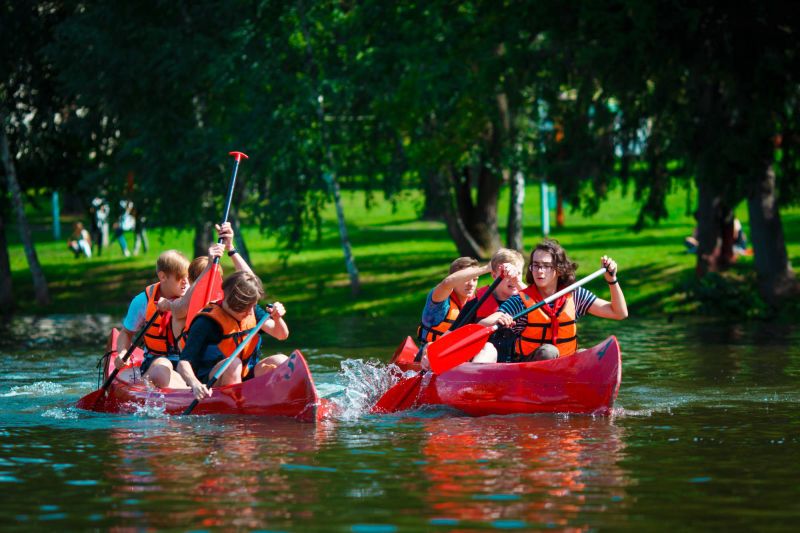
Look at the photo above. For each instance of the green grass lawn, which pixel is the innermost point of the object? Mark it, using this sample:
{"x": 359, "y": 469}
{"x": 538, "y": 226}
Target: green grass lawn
{"x": 399, "y": 259}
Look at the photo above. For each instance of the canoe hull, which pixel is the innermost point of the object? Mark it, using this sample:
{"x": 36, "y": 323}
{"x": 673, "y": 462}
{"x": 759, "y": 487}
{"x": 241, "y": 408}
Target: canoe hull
{"x": 286, "y": 391}
{"x": 586, "y": 382}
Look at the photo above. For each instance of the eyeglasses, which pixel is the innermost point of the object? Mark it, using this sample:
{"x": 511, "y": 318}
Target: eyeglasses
{"x": 542, "y": 266}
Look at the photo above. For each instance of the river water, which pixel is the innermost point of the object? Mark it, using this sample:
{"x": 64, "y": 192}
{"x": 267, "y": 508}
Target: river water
{"x": 704, "y": 436}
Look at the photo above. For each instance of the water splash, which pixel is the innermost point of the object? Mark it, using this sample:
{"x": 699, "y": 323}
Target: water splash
{"x": 39, "y": 388}
{"x": 363, "y": 383}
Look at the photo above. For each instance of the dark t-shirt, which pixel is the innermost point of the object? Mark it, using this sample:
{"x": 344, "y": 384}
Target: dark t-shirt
{"x": 201, "y": 345}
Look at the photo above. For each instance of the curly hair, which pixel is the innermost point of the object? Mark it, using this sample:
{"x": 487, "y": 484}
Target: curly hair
{"x": 565, "y": 268}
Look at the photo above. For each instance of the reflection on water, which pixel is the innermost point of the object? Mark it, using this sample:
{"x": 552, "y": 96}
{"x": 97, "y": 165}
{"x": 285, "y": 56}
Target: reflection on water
{"x": 705, "y": 435}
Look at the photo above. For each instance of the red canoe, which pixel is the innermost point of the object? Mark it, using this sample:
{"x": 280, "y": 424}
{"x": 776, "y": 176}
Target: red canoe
{"x": 286, "y": 391}
{"x": 586, "y": 382}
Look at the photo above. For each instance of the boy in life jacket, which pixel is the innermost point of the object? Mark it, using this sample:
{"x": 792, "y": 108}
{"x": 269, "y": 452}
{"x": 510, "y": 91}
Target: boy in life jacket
{"x": 551, "y": 331}
{"x": 509, "y": 264}
{"x": 218, "y": 330}
{"x": 161, "y": 353}
{"x": 199, "y": 267}
{"x": 444, "y": 302}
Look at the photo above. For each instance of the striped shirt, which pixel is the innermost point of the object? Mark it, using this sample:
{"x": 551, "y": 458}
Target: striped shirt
{"x": 583, "y": 298}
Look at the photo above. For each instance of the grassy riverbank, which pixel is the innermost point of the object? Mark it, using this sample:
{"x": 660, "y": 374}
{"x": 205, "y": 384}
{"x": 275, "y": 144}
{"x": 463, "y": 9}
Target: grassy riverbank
{"x": 399, "y": 258}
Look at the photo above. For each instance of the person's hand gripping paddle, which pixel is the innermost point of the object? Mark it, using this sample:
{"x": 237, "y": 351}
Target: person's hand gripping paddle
{"x": 209, "y": 286}
{"x": 404, "y": 393}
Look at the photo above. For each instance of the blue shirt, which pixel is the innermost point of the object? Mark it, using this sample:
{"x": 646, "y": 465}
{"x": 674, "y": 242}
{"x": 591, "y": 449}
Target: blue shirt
{"x": 434, "y": 312}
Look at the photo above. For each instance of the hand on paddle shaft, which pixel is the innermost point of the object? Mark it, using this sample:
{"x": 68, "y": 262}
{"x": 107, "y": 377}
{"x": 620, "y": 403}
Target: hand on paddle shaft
{"x": 461, "y": 346}
{"x": 209, "y": 287}
{"x": 204, "y": 390}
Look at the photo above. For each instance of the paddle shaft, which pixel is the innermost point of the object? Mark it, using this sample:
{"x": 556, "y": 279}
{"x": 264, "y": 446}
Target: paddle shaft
{"x": 469, "y": 316}
{"x": 231, "y": 184}
{"x": 134, "y": 344}
{"x": 599, "y": 272}
{"x": 229, "y": 360}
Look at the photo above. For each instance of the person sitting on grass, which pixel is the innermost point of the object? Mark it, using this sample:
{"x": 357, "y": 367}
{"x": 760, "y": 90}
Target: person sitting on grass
{"x": 80, "y": 242}
{"x": 218, "y": 330}
{"x": 198, "y": 268}
{"x": 445, "y": 300}
{"x": 161, "y": 353}
{"x": 551, "y": 330}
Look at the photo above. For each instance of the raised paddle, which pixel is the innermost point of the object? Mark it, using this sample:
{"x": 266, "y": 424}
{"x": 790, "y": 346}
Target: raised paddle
{"x": 403, "y": 394}
{"x": 453, "y": 349}
{"x": 209, "y": 286}
{"x": 229, "y": 360}
{"x": 137, "y": 341}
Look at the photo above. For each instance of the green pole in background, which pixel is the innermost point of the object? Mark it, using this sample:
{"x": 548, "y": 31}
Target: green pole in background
{"x": 56, "y": 214}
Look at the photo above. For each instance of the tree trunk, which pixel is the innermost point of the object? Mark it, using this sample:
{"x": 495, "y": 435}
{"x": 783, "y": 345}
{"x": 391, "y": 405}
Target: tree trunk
{"x": 714, "y": 231}
{"x": 466, "y": 245}
{"x": 514, "y": 232}
{"x": 6, "y": 287}
{"x": 776, "y": 279}
{"x": 238, "y": 237}
{"x": 479, "y": 219}
{"x": 41, "y": 292}
{"x": 330, "y": 177}
{"x": 203, "y": 237}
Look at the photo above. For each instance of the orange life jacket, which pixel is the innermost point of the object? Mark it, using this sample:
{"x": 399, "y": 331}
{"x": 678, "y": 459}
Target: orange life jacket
{"x": 158, "y": 338}
{"x": 540, "y": 324}
{"x": 233, "y": 332}
{"x": 430, "y": 334}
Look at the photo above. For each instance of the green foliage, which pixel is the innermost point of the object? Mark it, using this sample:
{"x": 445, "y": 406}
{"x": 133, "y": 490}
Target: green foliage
{"x": 728, "y": 295}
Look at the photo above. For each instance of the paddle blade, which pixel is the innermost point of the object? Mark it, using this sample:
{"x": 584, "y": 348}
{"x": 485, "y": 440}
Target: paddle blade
{"x": 208, "y": 288}
{"x": 92, "y": 401}
{"x": 401, "y": 397}
{"x": 457, "y": 347}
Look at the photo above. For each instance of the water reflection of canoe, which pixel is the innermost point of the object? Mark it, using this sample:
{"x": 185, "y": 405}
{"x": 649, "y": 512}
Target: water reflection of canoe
{"x": 286, "y": 391}
{"x": 585, "y": 382}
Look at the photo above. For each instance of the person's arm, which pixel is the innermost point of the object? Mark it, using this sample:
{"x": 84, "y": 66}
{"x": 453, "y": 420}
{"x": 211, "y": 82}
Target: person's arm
{"x": 203, "y": 333}
{"x": 509, "y": 271}
{"x": 503, "y": 316}
{"x": 617, "y": 308}
{"x": 275, "y": 325}
{"x": 226, "y": 234}
{"x": 134, "y": 319}
{"x": 443, "y": 290}
{"x": 180, "y": 306}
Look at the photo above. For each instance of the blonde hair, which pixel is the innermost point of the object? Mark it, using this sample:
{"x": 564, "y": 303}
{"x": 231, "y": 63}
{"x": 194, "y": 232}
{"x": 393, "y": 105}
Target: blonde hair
{"x": 172, "y": 262}
{"x": 507, "y": 255}
{"x": 242, "y": 290}
{"x": 461, "y": 263}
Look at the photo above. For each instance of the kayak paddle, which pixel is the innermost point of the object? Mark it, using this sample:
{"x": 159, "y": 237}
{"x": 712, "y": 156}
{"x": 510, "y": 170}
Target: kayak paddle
{"x": 459, "y": 347}
{"x": 137, "y": 341}
{"x": 209, "y": 286}
{"x": 229, "y": 360}
{"x": 403, "y": 394}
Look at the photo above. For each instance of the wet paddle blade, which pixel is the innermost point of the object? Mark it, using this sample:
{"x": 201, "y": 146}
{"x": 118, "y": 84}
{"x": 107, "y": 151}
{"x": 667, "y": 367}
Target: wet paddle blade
{"x": 401, "y": 397}
{"x": 92, "y": 401}
{"x": 207, "y": 289}
{"x": 457, "y": 347}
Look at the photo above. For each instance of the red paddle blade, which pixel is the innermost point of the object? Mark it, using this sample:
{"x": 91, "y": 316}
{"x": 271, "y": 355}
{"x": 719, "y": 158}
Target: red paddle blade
{"x": 92, "y": 401}
{"x": 208, "y": 288}
{"x": 457, "y": 347}
{"x": 401, "y": 397}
